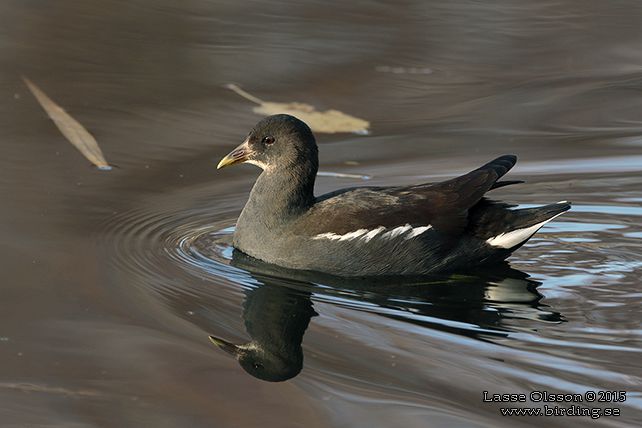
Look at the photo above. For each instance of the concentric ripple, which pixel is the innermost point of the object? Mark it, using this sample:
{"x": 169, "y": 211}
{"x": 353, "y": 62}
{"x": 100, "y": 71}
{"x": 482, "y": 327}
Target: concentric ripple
{"x": 558, "y": 310}
{"x": 175, "y": 251}
{"x": 155, "y": 245}
{"x": 172, "y": 251}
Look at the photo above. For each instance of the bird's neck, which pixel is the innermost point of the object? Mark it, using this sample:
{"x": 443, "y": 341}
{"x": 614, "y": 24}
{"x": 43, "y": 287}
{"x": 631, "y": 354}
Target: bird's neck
{"x": 280, "y": 195}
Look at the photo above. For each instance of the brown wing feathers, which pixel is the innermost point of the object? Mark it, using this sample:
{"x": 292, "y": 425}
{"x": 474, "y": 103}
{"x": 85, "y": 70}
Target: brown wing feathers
{"x": 470, "y": 189}
{"x": 443, "y": 205}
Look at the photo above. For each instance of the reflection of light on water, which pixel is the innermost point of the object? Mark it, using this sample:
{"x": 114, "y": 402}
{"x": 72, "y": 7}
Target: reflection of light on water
{"x": 600, "y": 209}
{"x": 572, "y": 226}
{"x": 628, "y": 199}
{"x": 586, "y": 165}
{"x": 227, "y": 252}
{"x": 578, "y": 240}
{"x": 566, "y": 343}
{"x": 609, "y": 209}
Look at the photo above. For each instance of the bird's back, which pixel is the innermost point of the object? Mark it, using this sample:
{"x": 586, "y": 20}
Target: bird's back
{"x": 414, "y": 230}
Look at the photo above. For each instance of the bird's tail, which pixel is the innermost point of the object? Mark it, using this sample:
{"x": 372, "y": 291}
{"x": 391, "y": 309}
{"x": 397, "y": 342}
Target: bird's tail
{"x": 509, "y": 229}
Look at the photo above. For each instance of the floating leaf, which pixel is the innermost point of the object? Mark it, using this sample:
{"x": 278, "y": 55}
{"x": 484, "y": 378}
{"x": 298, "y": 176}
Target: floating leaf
{"x": 70, "y": 128}
{"x": 329, "y": 121}
{"x": 343, "y": 175}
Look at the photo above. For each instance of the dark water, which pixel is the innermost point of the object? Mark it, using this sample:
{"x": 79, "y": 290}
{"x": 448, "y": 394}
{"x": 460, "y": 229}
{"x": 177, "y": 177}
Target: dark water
{"x": 112, "y": 281}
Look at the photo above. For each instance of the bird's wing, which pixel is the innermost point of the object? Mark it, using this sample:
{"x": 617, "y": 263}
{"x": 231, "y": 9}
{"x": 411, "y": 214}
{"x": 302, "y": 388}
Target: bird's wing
{"x": 444, "y": 205}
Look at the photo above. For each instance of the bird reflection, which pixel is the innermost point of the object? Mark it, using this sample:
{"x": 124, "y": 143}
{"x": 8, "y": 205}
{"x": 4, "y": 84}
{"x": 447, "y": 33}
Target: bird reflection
{"x": 278, "y": 310}
{"x": 275, "y": 318}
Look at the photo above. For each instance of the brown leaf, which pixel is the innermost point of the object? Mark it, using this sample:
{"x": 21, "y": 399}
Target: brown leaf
{"x": 329, "y": 121}
{"x": 70, "y": 128}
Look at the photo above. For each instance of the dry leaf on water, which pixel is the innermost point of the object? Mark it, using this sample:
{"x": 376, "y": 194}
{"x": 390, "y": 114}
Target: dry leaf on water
{"x": 343, "y": 175}
{"x": 329, "y": 121}
{"x": 70, "y": 128}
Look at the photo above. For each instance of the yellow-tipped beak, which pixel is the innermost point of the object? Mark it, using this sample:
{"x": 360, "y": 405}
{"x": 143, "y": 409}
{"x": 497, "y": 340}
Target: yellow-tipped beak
{"x": 226, "y": 346}
{"x": 239, "y": 154}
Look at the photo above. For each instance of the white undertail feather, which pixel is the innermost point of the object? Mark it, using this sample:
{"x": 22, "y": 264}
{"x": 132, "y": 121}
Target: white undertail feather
{"x": 407, "y": 231}
{"x": 517, "y": 236}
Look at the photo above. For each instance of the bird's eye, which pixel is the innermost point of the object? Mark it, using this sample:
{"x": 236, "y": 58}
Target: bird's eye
{"x": 257, "y": 366}
{"x": 268, "y": 140}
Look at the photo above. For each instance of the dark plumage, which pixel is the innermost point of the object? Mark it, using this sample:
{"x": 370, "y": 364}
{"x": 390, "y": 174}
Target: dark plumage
{"x": 361, "y": 231}
{"x": 278, "y": 308}
{"x": 276, "y": 318}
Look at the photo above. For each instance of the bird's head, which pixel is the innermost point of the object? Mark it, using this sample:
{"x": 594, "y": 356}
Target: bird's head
{"x": 276, "y": 142}
{"x": 261, "y": 363}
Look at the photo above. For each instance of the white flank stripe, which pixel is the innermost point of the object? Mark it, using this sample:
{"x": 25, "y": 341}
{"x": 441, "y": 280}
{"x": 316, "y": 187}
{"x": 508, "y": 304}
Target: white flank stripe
{"x": 396, "y": 231}
{"x": 326, "y": 236}
{"x": 347, "y": 236}
{"x": 517, "y": 236}
{"x": 418, "y": 231}
{"x": 367, "y": 235}
{"x": 352, "y": 235}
